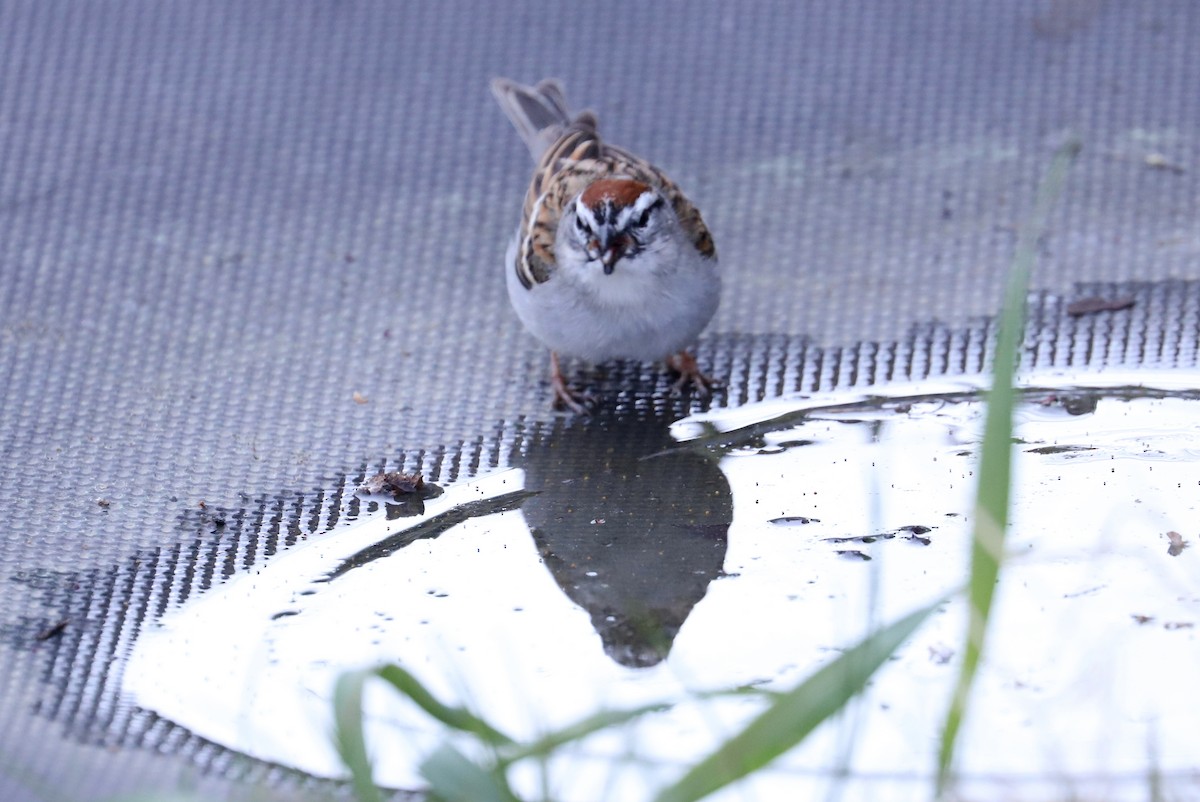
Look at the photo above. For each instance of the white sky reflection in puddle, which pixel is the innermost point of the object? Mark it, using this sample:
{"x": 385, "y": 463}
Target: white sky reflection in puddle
{"x": 1088, "y": 684}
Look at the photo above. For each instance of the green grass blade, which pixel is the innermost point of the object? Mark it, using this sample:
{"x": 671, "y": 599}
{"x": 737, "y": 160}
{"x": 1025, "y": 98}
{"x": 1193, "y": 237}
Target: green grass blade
{"x": 455, "y": 717}
{"x": 547, "y": 744}
{"x": 995, "y": 461}
{"x": 348, "y": 734}
{"x": 453, "y": 777}
{"x": 795, "y": 714}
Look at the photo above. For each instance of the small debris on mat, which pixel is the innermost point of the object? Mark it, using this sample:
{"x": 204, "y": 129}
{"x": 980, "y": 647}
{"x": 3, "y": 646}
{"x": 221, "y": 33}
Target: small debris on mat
{"x": 794, "y": 520}
{"x": 1179, "y": 625}
{"x": 1178, "y": 544}
{"x": 409, "y": 492}
{"x": 1093, "y": 304}
{"x": 1063, "y": 449}
{"x": 795, "y": 443}
{"x": 860, "y": 538}
{"x": 394, "y": 482}
{"x": 1072, "y": 403}
{"x": 359, "y": 398}
{"x": 52, "y": 631}
{"x": 853, "y": 554}
{"x": 940, "y": 654}
{"x": 1157, "y": 161}
{"x": 1141, "y": 619}
{"x": 916, "y": 534}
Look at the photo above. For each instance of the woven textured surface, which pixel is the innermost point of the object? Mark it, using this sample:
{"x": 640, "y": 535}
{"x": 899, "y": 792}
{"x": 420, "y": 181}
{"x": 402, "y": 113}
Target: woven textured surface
{"x": 221, "y": 221}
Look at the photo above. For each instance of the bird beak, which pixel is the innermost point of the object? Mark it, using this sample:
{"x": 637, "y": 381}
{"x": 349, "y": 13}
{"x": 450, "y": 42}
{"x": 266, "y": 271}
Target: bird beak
{"x": 609, "y": 250}
{"x": 609, "y": 259}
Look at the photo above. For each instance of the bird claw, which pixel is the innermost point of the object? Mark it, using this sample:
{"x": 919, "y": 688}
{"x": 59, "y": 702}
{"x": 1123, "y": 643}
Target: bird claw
{"x": 689, "y": 372}
{"x": 581, "y": 403}
{"x": 575, "y": 400}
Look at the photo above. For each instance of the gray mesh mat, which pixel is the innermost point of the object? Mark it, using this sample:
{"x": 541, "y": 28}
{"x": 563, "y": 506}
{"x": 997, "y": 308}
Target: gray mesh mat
{"x": 221, "y": 221}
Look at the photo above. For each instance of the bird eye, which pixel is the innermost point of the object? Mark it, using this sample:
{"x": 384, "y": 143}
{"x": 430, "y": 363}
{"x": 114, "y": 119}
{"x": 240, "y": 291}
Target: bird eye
{"x": 644, "y": 220}
{"x": 580, "y": 226}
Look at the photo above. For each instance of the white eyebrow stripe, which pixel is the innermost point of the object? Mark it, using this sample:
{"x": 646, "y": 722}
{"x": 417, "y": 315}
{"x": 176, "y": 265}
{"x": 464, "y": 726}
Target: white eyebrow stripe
{"x": 582, "y": 210}
{"x": 647, "y": 200}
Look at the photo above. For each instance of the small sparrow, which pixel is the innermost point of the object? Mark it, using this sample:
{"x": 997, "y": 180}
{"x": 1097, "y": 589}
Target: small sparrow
{"x": 611, "y": 260}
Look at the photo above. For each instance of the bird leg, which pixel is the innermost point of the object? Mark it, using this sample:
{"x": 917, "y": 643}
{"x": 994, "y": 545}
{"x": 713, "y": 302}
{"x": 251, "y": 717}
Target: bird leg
{"x": 685, "y": 365}
{"x": 564, "y": 396}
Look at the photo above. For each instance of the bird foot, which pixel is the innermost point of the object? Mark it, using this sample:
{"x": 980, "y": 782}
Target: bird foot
{"x": 574, "y": 400}
{"x": 685, "y": 365}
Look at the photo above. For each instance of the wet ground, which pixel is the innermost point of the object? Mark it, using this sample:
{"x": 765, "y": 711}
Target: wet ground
{"x": 620, "y": 563}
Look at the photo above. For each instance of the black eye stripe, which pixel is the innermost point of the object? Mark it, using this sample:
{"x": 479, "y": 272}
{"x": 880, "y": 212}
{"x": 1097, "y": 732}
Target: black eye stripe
{"x": 644, "y": 220}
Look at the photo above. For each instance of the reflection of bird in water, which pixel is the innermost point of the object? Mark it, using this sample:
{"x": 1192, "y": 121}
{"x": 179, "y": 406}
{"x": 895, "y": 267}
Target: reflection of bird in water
{"x": 632, "y": 538}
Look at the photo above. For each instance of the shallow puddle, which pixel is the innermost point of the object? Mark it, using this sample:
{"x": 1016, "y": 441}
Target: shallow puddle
{"x": 619, "y": 563}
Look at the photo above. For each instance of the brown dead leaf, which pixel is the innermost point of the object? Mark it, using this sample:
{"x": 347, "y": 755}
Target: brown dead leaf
{"x": 1094, "y": 304}
{"x": 394, "y": 482}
